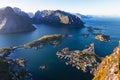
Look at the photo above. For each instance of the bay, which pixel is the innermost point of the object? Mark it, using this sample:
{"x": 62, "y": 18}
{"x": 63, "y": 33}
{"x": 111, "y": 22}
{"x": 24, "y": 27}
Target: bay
{"x": 57, "y": 70}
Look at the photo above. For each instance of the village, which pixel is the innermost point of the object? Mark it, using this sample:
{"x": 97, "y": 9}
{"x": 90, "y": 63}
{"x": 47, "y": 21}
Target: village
{"x": 85, "y": 60}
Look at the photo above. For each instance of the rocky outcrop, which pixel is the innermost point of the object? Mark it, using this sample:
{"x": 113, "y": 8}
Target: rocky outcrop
{"x": 109, "y": 68}
{"x": 103, "y": 38}
{"x": 57, "y": 17}
{"x": 11, "y": 22}
{"x": 4, "y": 52}
{"x": 20, "y": 62}
{"x": 10, "y": 70}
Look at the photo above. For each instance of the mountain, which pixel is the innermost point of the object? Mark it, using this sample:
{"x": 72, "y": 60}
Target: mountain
{"x": 109, "y": 69}
{"x": 22, "y": 13}
{"x": 11, "y": 22}
{"x": 57, "y": 17}
{"x": 30, "y": 14}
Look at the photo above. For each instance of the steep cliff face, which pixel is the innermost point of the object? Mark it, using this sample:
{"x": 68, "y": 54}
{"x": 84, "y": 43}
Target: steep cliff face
{"x": 22, "y": 14}
{"x": 109, "y": 69}
{"x": 57, "y": 17}
{"x": 11, "y": 22}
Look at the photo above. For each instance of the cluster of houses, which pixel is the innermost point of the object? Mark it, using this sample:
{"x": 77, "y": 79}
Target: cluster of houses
{"x": 85, "y": 60}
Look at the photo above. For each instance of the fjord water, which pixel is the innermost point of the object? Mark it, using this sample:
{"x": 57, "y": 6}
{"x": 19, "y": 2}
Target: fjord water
{"x": 57, "y": 70}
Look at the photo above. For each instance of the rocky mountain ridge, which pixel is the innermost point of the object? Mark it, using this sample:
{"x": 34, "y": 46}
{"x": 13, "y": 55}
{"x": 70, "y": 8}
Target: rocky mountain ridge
{"x": 11, "y": 22}
{"x": 109, "y": 68}
{"x": 57, "y": 17}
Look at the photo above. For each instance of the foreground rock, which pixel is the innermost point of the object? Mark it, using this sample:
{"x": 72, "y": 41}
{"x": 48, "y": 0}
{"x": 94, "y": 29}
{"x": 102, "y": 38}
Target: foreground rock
{"x": 45, "y": 40}
{"x": 9, "y": 70}
{"x": 20, "y": 62}
{"x": 109, "y": 68}
{"x": 11, "y": 22}
{"x": 103, "y": 38}
{"x": 85, "y": 60}
{"x": 4, "y": 52}
{"x": 57, "y": 17}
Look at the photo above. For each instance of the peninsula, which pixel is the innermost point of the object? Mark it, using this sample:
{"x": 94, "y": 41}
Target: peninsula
{"x": 45, "y": 40}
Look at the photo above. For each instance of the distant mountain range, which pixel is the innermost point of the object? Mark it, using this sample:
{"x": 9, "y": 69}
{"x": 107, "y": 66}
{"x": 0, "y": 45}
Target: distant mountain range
{"x": 15, "y": 20}
{"x": 83, "y": 16}
{"x": 57, "y": 17}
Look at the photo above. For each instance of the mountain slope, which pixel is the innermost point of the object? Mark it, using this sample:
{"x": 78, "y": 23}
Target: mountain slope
{"x": 22, "y": 13}
{"x": 109, "y": 69}
{"x": 11, "y": 22}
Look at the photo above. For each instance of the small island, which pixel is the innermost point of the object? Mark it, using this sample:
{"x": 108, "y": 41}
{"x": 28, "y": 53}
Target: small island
{"x": 20, "y": 62}
{"x": 85, "y": 35}
{"x": 43, "y": 67}
{"x": 45, "y": 40}
{"x": 15, "y": 68}
{"x": 91, "y": 29}
{"x": 103, "y": 38}
{"x": 85, "y": 60}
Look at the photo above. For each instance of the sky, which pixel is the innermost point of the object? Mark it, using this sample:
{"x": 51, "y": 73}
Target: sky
{"x": 86, "y": 7}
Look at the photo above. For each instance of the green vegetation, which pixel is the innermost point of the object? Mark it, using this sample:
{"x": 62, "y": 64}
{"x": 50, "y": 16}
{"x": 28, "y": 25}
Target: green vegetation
{"x": 45, "y": 40}
{"x": 109, "y": 68}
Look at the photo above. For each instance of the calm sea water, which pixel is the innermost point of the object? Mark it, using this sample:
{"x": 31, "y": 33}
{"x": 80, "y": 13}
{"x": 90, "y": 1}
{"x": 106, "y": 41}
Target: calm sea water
{"x": 57, "y": 70}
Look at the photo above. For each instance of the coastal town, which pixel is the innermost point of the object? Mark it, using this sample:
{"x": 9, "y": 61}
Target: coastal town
{"x": 85, "y": 60}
